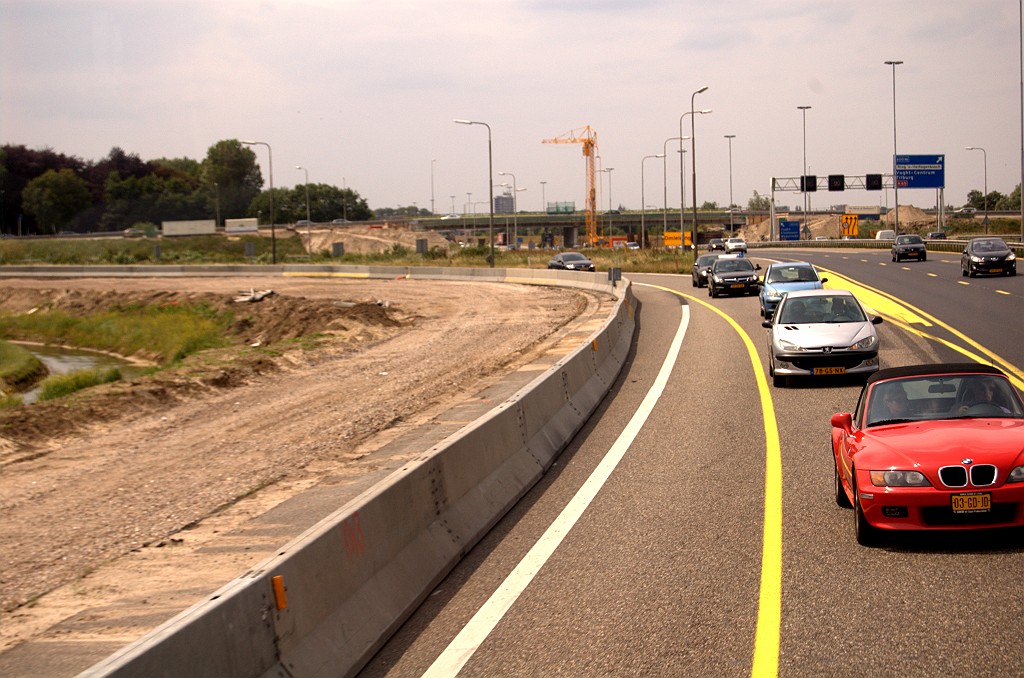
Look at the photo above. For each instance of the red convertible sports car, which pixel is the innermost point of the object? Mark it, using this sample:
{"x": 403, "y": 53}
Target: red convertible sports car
{"x": 931, "y": 447}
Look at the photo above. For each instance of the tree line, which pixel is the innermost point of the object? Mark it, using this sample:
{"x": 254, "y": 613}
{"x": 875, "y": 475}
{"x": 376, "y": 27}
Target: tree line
{"x": 45, "y": 192}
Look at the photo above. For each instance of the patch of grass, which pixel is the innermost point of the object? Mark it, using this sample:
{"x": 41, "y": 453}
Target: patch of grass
{"x": 167, "y": 332}
{"x": 8, "y": 400}
{"x": 18, "y": 366}
{"x": 61, "y": 385}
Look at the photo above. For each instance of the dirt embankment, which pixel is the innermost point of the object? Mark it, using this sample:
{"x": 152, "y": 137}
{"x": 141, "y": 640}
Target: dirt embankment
{"x": 186, "y": 454}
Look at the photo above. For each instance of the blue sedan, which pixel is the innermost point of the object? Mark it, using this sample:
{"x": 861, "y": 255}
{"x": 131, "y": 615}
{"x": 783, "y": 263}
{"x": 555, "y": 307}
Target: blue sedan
{"x": 786, "y": 277}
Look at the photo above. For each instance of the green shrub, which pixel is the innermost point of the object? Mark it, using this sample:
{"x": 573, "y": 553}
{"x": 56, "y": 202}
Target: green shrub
{"x": 61, "y": 385}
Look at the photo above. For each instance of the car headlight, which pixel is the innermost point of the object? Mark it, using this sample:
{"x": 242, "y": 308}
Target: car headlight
{"x": 1016, "y": 475}
{"x": 716, "y": 278}
{"x": 898, "y": 479}
{"x": 1011, "y": 257}
{"x": 976, "y": 259}
{"x": 865, "y": 343}
{"x": 790, "y": 346}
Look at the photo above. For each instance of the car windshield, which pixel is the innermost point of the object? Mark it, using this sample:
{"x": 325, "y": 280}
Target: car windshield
{"x": 937, "y": 397}
{"x": 826, "y": 308}
{"x": 990, "y": 245}
{"x": 572, "y": 256}
{"x": 791, "y": 274}
{"x": 909, "y": 239}
{"x": 731, "y": 265}
{"x": 707, "y": 260}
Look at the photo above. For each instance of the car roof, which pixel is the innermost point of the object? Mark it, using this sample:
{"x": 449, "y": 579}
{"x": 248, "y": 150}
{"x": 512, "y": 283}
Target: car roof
{"x": 781, "y": 264}
{"x": 796, "y": 294}
{"x": 932, "y": 369}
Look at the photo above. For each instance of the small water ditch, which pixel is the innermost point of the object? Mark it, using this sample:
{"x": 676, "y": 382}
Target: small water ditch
{"x": 62, "y": 360}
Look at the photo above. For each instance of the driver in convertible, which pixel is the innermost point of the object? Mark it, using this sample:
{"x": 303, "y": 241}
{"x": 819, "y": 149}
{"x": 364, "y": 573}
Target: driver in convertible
{"x": 979, "y": 392}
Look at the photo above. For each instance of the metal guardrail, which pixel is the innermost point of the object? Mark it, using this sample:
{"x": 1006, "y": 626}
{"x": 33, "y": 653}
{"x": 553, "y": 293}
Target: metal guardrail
{"x": 950, "y": 245}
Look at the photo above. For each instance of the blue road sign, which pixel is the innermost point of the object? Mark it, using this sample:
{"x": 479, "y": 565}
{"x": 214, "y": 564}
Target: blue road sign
{"x": 920, "y": 171}
{"x": 789, "y": 230}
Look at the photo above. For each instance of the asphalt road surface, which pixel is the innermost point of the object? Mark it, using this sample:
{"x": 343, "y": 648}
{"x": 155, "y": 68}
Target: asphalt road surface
{"x": 691, "y": 529}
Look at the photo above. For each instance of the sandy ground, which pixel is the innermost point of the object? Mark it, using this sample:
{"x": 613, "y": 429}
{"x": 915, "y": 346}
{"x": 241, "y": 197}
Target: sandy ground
{"x": 113, "y": 499}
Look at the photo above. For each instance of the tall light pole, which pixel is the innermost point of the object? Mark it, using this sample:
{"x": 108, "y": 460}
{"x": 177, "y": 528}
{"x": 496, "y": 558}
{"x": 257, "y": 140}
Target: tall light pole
{"x": 490, "y": 181}
{"x": 984, "y": 157}
{"x": 453, "y": 204}
{"x": 270, "y": 165}
{"x": 693, "y": 164}
{"x": 803, "y": 109}
{"x": 895, "y": 181}
{"x": 515, "y": 207}
{"x": 643, "y": 200}
{"x": 664, "y": 181}
{"x": 309, "y": 222}
{"x": 609, "y": 170}
{"x": 682, "y": 163}
{"x": 432, "y": 161}
{"x": 543, "y": 198}
{"x": 732, "y": 228}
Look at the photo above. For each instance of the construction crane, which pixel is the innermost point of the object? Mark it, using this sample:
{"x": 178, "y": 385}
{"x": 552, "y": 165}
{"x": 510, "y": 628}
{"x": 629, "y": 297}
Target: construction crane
{"x": 588, "y": 137}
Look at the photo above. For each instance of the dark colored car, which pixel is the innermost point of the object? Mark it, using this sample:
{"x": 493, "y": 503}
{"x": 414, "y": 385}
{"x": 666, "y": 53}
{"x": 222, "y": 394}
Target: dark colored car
{"x": 701, "y": 267}
{"x": 571, "y": 261}
{"x": 732, "y": 275}
{"x": 936, "y": 235}
{"x": 716, "y": 244}
{"x": 931, "y": 447}
{"x": 987, "y": 255}
{"x": 908, "y": 247}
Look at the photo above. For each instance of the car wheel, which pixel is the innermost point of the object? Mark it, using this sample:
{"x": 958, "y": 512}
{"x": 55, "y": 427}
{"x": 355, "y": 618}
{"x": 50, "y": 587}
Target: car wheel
{"x": 842, "y": 500}
{"x": 970, "y": 273}
{"x": 924, "y": 257}
{"x": 963, "y": 271}
{"x": 895, "y": 258}
{"x": 711, "y": 290}
{"x": 867, "y": 535}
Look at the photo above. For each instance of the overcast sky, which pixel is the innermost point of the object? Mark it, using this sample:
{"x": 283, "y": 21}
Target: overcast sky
{"x": 363, "y": 92}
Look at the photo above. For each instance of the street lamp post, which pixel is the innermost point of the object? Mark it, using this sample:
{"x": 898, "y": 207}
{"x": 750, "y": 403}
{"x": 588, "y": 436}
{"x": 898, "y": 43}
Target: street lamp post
{"x": 515, "y": 207}
{"x": 664, "y": 182}
{"x": 543, "y": 198}
{"x": 803, "y": 109}
{"x": 693, "y": 164}
{"x": 984, "y": 157}
{"x": 682, "y": 162}
{"x": 432, "y": 161}
{"x": 309, "y": 222}
{"x": 895, "y": 182}
{"x": 270, "y": 166}
{"x": 732, "y": 227}
{"x": 490, "y": 181}
{"x": 643, "y": 200}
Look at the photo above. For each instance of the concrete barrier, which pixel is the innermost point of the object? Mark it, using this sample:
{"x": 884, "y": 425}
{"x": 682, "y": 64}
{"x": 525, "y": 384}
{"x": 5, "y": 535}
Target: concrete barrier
{"x": 351, "y": 580}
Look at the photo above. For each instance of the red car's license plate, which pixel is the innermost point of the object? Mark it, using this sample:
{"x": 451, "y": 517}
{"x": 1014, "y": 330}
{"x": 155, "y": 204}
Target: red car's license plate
{"x": 829, "y": 370}
{"x": 977, "y": 502}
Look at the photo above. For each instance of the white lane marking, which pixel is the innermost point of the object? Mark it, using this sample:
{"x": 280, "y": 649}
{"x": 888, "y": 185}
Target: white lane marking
{"x": 455, "y": 656}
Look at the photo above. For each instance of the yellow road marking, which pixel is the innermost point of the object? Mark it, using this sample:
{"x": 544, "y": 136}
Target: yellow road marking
{"x": 905, "y": 315}
{"x": 769, "y": 606}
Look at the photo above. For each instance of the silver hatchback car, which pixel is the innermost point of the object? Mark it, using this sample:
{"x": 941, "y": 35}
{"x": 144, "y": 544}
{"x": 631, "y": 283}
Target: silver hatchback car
{"x": 817, "y": 333}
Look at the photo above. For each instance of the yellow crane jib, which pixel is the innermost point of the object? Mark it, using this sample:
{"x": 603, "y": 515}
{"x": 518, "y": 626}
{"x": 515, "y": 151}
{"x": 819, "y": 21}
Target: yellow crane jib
{"x": 587, "y": 136}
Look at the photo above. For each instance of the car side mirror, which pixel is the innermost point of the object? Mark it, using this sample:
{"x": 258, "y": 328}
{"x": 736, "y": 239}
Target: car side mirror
{"x": 876, "y": 320}
{"x": 766, "y": 323}
{"x": 843, "y": 420}
{"x": 757, "y": 267}
{"x": 823, "y": 281}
